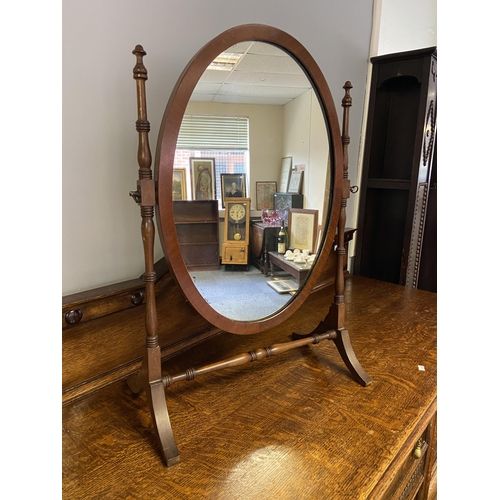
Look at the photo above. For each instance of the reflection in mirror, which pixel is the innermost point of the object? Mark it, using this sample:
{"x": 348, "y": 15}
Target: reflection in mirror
{"x": 253, "y": 107}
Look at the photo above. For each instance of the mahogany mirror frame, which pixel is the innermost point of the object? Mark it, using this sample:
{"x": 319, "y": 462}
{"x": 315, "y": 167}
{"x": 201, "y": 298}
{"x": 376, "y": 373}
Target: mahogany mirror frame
{"x": 150, "y": 377}
{"x": 164, "y": 162}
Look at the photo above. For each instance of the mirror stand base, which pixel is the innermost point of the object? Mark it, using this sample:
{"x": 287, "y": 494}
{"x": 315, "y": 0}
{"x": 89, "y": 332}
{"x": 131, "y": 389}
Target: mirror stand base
{"x": 149, "y": 377}
{"x": 343, "y": 343}
{"x": 150, "y": 381}
{"x": 340, "y": 336}
{"x": 159, "y": 412}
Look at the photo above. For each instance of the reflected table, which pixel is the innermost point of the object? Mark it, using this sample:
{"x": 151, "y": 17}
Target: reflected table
{"x": 298, "y": 271}
{"x": 263, "y": 240}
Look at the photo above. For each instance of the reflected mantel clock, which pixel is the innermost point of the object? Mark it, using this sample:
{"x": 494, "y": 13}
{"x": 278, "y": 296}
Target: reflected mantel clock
{"x": 236, "y": 232}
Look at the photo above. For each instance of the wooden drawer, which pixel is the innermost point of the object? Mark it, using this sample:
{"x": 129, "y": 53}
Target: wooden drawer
{"x": 408, "y": 477}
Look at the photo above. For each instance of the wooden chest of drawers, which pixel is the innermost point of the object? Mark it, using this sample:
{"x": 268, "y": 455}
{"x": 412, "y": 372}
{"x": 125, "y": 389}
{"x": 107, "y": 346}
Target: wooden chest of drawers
{"x": 290, "y": 428}
{"x": 412, "y": 474}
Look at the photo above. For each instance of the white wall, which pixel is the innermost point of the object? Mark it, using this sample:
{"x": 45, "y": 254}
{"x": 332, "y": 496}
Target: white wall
{"x": 101, "y": 241}
{"x": 306, "y": 141}
{"x": 406, "y": 25}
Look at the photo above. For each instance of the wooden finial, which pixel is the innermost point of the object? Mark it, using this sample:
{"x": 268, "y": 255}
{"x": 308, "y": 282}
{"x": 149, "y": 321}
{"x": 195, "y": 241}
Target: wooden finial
{"x": 347, "y": 100}
{"x": 140, "y": 72}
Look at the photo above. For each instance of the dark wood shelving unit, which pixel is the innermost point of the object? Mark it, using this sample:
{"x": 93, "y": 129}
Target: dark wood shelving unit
{"x": 197, "y": 227}
{"x": 397, "y": 167}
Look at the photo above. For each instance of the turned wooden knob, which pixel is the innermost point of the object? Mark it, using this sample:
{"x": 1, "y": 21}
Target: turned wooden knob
{"x": 73, "y": 317}
{"x": 137, "y": 298}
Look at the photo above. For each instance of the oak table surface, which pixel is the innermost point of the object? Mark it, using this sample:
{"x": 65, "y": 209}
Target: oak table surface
{"x": 294, "y": 427}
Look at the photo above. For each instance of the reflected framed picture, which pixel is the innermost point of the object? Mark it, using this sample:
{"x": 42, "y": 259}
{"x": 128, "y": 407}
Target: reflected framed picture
{"x": 283, "y": 286}
{"x": 203, "y": 178}
{"x": 265, "y": 194}
{"x": 285, "y": 201}
{"x": 303, "y": 228}
{"x": 286, "y": 169}
{"x": 233, "y": 186}
{"x": 179, "y": 191}
{"x": 295, "y": 183}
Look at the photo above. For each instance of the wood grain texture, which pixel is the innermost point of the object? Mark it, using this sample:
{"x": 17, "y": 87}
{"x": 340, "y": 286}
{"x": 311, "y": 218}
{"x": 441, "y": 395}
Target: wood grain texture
{"x": 295, "y": 426}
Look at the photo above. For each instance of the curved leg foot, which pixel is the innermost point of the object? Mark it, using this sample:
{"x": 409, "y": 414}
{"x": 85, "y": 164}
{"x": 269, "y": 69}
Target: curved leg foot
{"x": 159, "y": 412}
{"x": 343, "y": 343}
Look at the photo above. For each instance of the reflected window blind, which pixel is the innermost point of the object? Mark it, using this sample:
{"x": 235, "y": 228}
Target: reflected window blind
{"x": 213, "y": 132}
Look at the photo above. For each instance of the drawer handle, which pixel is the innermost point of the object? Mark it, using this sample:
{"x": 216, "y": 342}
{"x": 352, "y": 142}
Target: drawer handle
{"x": 417, "y": 452}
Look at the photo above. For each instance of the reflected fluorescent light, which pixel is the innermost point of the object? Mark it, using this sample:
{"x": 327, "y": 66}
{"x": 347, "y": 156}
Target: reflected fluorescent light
{"x": 225, "y": 61}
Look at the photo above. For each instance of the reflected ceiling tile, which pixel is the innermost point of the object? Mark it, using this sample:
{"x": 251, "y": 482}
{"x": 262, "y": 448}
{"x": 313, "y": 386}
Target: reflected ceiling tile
{"x": 266, "y": 49}
{"x": 269, "y": 64}
{"x": 241, "y": 47}
{"x": 262, "y": 90}
{"x": 235, "y": 99}
{"x": 263, "y": 66}
{"x": 206, "y": 88}
{"x": 269, "y": 79}
{"x": 202, "y": 97}
{"x": 213, "y": 76}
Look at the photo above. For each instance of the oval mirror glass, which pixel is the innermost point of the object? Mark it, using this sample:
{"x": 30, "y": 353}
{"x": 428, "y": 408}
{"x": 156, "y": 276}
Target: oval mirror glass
{"x": 252, "y": 152}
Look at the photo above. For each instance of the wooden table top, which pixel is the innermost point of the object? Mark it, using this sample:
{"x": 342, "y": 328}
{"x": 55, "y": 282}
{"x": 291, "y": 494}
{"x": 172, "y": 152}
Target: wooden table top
{"x": 299, "y": 271}
{"x": 292, "y": 427}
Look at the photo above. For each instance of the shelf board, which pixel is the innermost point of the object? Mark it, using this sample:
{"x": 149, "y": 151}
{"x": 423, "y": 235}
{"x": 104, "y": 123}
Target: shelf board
{"x": 388, "y": 184}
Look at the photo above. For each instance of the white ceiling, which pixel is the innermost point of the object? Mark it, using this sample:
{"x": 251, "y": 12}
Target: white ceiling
{"x": 263, "y": 75}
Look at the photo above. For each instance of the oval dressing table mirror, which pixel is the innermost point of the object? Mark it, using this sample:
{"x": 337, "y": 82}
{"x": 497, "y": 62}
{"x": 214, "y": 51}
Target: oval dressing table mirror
{"x": 199, "y": 86}
{"x": 254, "y": 79}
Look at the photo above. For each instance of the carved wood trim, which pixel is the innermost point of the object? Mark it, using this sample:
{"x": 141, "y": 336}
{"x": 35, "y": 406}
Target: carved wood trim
{"x": 417, "y": 236}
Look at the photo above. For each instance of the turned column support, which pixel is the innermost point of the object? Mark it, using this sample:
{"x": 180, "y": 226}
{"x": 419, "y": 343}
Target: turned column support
{"x": 149, "y": 377}
{"x": 334, "y": 321}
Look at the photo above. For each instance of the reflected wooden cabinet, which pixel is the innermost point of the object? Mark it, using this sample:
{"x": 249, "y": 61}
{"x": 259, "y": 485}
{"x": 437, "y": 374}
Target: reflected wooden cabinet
{"x": 197, "y": 227}
{"x": 397, "y": 167}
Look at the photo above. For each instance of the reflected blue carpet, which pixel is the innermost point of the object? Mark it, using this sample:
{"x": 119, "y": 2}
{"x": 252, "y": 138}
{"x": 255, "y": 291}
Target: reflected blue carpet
{"x": 240, "y": 295}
